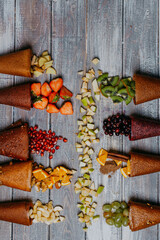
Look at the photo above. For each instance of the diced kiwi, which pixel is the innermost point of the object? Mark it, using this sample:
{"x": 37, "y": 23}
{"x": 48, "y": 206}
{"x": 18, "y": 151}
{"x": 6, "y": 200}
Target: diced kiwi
{"x": 102, "y": 77}
{"x": 114, "y": 81}
{"x": 107, "y": 91}
{"x": 115, "y": 91}
{"x": 126, "y": 82}
{"x": 128, "y": 100}
{"x": 117, "y": 99}
{"x": 131, "y": 92}
{"x": 123, "y": 93}
{"x": 105, "y": 82}
{"x": 133, "y": 85}
{"x": 120, "y": 85}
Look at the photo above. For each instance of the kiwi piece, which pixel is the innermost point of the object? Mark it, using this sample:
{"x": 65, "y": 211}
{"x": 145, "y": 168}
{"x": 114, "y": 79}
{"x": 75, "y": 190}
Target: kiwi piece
{"x": 117, "y": 99}
{"x": 131, "y": 92}
{"x": 115, "y": 91}
{"x": 123, "y": 93}
{"x": 120, "y": 85}
{"x": 114, "y": 81}
{"x": 126, "y": 82}
{"x": 102, "y": 77}
{"x": 128, "y": 100}
{"x": 133, "y": 85}
{"x": 107, "y": 91}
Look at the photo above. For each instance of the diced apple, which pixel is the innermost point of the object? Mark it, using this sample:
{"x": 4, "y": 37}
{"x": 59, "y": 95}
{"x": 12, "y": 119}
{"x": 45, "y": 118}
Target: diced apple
{"x": 41, "y": 61}
{"x": 51, "y": 70}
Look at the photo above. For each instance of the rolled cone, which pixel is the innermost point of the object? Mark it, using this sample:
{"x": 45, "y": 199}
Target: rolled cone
{"x": 17, "y": 63}
{"x": 16, "y": 212}
{"x": 17, "y": 175}
{"x": 14, "y": 142}
{"x": 141, "y": 164}
{"x": 143, "y": 128}
{"x": 17, "y": 96}
{"x": 143, "y": 215}
{"x": 147, "y": 88}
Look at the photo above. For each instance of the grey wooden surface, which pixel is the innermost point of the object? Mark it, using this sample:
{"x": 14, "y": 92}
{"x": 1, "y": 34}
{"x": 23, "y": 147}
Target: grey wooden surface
{"x": 124, "y": 34}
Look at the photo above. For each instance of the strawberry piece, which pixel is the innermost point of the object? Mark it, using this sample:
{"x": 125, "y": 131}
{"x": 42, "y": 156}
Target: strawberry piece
{"x": 41, "y": 103}
{"x": 51, "y": 108}
{"x": 53, "y": 97}
{"x": 45, "y": 89}
{"x": 65, "y": 93}
{"x": 66, "y": 109}
{"x": 56, "y": 84}
{"x": 36, "y": 89}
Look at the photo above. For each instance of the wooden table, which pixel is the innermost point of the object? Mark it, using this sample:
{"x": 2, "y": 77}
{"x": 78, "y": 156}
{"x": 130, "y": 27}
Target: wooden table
{"x": 125, "y": 36}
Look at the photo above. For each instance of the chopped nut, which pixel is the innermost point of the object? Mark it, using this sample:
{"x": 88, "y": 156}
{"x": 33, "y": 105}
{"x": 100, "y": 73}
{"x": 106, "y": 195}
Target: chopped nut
{"x": 95, "y": 61}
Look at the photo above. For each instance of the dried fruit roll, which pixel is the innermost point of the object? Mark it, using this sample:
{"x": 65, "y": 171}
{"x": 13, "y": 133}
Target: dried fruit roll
{"x": 143, "y": 215}
{"x": 17, "y": 96}
{"x": 16, "y": 212}
{"x": 17, "y": 175}
{"x": 17, "y": 63}
{"x": 147, "y": 88}
{"x": 14, "y": 142}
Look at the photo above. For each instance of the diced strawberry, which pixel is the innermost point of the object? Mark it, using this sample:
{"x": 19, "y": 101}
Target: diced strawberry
{"x": 41, "y": 103}
{"x": 53, "y": 97}
{"x": 66, "y": 109}
{"x": 51, "y": 108}
{"x": 45, "y": 89}
{"x": 36, "y": 89}
{"x": 65, "y": 93}
{"x": 56, "y": 84}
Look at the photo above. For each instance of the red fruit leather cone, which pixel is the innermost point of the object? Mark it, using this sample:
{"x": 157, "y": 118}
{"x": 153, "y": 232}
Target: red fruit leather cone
{"x": 17, "y": 175}
{"x": 147, "y": 88}
{"x": 16, "y": 212}
{"x": 143, "y": 215}
{"x": 17, "y": 63}
{"x": 142, "y": 164}
{"x": 17, "y": 96}
{"x": 143, "y": 128}
{"x": 14, "y": 142}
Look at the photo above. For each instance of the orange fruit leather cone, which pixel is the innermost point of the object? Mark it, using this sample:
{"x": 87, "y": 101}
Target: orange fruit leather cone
{"x": 17, "y": 175}
{"x": 16, "y": 212}
{"x": 143, "y": 128}
{"x": 147, "y": 88}
{"x": 143, "y": 215}
{"x": 17, "y": 63}
{"x": 14, "y": 142}
{"x": 17, "y": 96}
{"x": 141, "y": 164}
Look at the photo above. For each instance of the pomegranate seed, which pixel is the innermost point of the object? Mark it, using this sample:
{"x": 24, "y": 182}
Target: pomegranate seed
{"x": 31, "y": 128}
{"x": 53, "y": 151}
{"x": 42, "y": 154}
{"x": 40, "y": 131}
{"x": 53, "y": 133}
{"x": 51, "y": 156}
{"x": 35, "y": 127}
{"x": 49, "y": 131}
{"x": 60, "y": 138}
{"x": 57, "y": 147}
{"x": 65, "y": 140}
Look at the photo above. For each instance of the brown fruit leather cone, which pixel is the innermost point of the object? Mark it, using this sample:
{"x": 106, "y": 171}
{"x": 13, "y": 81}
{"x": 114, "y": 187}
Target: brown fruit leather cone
{"x": 15, "y": 142}
{"x": 147, "y": 88}
{"x": 143, "y": 215}
{"x": 16, "y": 212}
{"x": 17, "y": 96}
{"x": 143, "y": 128}
{"x": 142, "y": 164}
{"x": 17, "y": 63}
{"x": 17, "y": 175}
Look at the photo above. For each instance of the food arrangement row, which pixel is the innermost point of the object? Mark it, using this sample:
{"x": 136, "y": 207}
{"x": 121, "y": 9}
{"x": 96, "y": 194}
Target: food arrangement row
{"x": 19, "y": 141}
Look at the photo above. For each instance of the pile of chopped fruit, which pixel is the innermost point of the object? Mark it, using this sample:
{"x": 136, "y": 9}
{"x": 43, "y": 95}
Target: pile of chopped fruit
{"x": 116, "y": 214}
{"x": 117, "y": 89}
{"x": 42, "y": 64}
{"x": 87, "y": 136}
{"x": 41, "y": 141}
{"x": 44, "y": 178}
{"x": 46, "y": 213}
{"x": 47, "y": 95}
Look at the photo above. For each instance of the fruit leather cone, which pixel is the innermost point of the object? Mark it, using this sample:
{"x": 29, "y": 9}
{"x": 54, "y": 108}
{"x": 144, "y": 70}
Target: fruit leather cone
{"x": 141, "y": 164}
{"x": 143, "y": 215}
{"x": 17, "y": 96}
{"x": 17, "y": 175}
{"x": 17, "y": 63}
{"x": 147, "y": 88}
{"x": 14, "y": 142}
{"x": 143, "y": 128}
{"x": 16, "y": 212}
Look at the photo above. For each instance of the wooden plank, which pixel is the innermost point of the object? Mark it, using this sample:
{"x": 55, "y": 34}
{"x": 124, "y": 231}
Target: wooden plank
{"x": 33, "y": 29}
{"x": 7, "y": 45}
{"x": 104, "y": 40}
{"x": 140, "y": 54}
{"x": 68, "y": 47}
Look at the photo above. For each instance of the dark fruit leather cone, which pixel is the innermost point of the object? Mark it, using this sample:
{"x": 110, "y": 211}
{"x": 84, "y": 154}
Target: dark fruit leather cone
{"x": 17, "y": 96}
{"x": 16, "y": 212}
{"x": 147, "y": 88}
{"x": 17, "y": 63}
{"x": 143, "y": 128}
{"x": 143, "y": 215}
{"x": 17, "y": 175}
{"x": 142, "y": 164}
{"x": 14, "y": 142}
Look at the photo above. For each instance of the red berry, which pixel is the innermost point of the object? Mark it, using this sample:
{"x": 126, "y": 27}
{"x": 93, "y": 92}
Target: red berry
{"x": 65, "y": 140}
{"x": 53, "y": 151}
{"x": 50, "y": 156}
{"x": 57, "y": 147}
{"x": 35, "y": 127}
{"x": 60, "y": 138}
